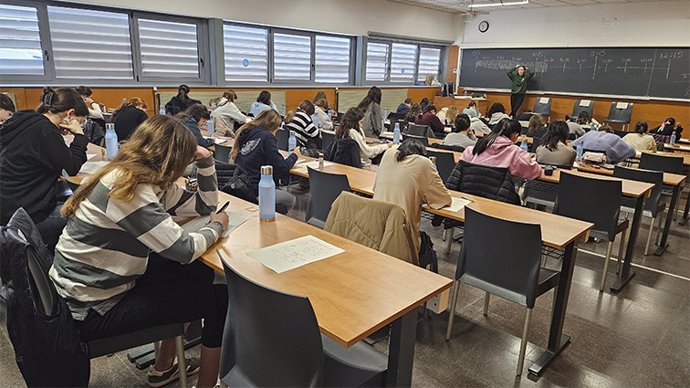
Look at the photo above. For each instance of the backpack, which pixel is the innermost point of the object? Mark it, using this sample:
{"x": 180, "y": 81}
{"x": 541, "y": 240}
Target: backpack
{"x": 46, "y": 343}
{"x": 236, "y": 182}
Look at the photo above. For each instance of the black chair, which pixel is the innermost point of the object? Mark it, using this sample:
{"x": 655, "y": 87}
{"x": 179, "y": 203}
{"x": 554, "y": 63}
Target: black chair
{"x": 597, "y": 201}
{"x": 222, "y": 153}
{"x": 272, "y": 339}
{"x": 542, "y": 107}
{"x": 393, "y": 116}
{"x": 652, "y": 205}
{"x": 583, "y": 106}
{"x": 419, "y": 130}
{"x": 620, "y": 115}
{"x": 540, "y": 193}
{"x": 509, "y": 269}
{"x": 445, "y": 162}
{"x": 324, "y": 188}
{"x": 327, "y": 138}
{"x": 423, "y": 139}
{"x": 669, "y": 164}
{"x": 282, "y": 136}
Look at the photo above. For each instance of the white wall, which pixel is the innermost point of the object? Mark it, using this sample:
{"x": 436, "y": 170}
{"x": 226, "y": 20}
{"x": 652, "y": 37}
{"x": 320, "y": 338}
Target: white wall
{"x": 646, "y": 23}
{"x": 357, "y": 17}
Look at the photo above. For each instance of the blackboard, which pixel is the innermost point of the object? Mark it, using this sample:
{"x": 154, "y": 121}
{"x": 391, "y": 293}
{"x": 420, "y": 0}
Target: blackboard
{"x": 644, "y": 72}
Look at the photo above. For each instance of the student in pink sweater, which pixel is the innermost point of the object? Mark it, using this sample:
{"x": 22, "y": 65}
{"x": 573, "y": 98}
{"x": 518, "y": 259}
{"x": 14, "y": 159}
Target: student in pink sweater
{"x": 499, "y": 150}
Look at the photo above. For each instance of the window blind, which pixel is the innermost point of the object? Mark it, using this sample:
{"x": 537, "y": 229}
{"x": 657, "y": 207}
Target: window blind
{"x": 403, "y": 61}
{"x": 377, "y": 61}
{"x": 246, "y": 53}
{"x": 429, "y": 60}
{"x": 20, "y": 42}
{"x": 332, "y": 59}
{"x": 168, "y": 49}
{"x": 291, "y": 57}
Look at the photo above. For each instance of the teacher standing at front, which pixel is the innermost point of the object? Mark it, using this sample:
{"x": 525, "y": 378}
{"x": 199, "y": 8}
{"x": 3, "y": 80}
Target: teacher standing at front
{"x": 520, "y": 76}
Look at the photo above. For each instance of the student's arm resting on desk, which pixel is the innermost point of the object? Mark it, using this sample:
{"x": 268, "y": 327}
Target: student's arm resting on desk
{"x": 179, "y": 202}
{"x": 57, "y": 156}
{"x": 200, "y": 140}
{"x": 364, "y": 148}
{"x": 525, "y": 167}
{"x": 437, "y": 195}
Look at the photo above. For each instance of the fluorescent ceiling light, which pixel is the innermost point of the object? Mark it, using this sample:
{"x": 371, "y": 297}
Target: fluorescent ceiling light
{"x": 482, "y": 5}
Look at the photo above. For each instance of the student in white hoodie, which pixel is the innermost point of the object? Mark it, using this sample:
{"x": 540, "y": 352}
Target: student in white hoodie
{"x": 227, "y": 114}
{"x": 351, "y": 127}
{"x": 95, "y": 111}
{"x": 323, "y": 120}
{"x": 496, "y": 113}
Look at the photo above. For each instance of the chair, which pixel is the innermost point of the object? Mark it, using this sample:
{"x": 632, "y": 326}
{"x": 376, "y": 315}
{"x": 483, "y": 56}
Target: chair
{"x": 285, "y": 347}
{"x": 419, "y": 130}
{"x": 583, "y": 105}
{"x": 327, "y": 138}
{"x": 222, "y": 153}
{"x": 324, "y": 188}
{"x": 509, "y": 269}
{"x": 652, "y": 205}
{"x": 620, "y": 115}
{"x": 669, "y": 164}
{"x": 540, "y": 193}
{"x": 445, "y": 162}
{"x": 282, "y": 136}
{"x": 423, "y": 139}
{"x": 597, "y": 201}
{"x": 542, "y": 107}
{"x": 536, "y": 142}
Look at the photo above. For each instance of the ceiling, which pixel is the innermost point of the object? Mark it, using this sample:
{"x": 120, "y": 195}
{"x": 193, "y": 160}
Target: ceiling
{"x": 462, "y": 5}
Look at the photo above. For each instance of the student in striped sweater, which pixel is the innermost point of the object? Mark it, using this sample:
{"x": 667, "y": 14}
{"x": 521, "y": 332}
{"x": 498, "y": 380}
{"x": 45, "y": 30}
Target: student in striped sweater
{"x": 123, "y": 263}
{"x": 299, "y": 120}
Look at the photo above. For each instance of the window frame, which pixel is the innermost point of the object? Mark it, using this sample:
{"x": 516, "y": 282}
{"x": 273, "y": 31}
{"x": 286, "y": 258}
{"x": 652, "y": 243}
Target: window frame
{"x": 389, "y": 42}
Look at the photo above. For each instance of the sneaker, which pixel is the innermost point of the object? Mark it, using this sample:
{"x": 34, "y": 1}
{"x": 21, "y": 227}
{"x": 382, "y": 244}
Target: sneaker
{"x": 159, "y": 379}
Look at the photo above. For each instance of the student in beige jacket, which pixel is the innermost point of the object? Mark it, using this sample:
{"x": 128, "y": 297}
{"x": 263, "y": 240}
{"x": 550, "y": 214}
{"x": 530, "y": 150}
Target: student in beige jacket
{"x": 639, "y": 140}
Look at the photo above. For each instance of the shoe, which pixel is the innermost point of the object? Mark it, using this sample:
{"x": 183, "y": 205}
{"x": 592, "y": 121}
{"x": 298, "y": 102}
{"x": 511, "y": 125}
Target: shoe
{"x": 158, "y": 379}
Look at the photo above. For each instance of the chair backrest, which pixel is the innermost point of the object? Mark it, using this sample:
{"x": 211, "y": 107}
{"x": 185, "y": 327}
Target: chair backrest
{"x": 222, "y": 153}
{"x": 270, "y": 339}
{"x": 649, "y": 176}
{"x": 620, "y": 115}
{"x": 509, "y": 269}
{"x": 282, "y": 135}
{"x": 670, "y": 164}
{"x": 393, "y": 116}
{"x": 525, "y": 116}
{"x": 423, "y": 139}
{"x": 343, "y": 151}
{"x": 445, "y": 162}
{"x": 589, "y": 199}
{"x": 489, "y": 182}
{"x": 542, "y": 106}
{"x": 419, "y": 130}
{"x": 579, "y": 107}
{"x": 324, "y": 188}
{"x": 327, "y": 138}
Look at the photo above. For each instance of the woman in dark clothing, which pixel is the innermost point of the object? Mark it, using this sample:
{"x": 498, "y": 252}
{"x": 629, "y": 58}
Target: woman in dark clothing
{"x": 128, "y": 117}
{"x": 667, "y": 128}
{"x": 195, "y": 118}
{"x": 34, "y": 155}
{"x": 520, "y": 76}
{"x": 181, "y": 102}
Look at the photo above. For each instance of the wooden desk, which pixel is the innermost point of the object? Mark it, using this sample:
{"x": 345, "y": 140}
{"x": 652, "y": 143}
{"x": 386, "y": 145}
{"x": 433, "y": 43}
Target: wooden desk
{"x": 460, "y": 102}
{"x": 677, "y": 147}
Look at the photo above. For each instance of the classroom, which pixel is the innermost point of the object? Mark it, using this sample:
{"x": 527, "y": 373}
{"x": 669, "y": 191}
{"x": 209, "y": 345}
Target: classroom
{"x": 399, "y": 193}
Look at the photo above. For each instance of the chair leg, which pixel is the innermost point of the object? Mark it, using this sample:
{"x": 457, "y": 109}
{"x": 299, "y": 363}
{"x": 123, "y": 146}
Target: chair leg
{"x": 181, "y": 362}
{"x": 453, "y": 304}
{"x": 621, "y": 250}
{"x": 523, "y": 343}
{"x": 445, "y": 232}
{"x": 449, "y": 241}
{"x": 649, "y": 236}
{"x": 487, "y": 297}
{"x": 659, "y": 229}
{"x": 606, "y": 266}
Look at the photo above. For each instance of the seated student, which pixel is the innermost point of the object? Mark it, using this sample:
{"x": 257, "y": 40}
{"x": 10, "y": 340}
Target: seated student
{"x": 639, "y": 140}
{"x": 424, "y": 102}
{"x": 34, "y": 154}
{"x": 471, "y": 110}
{"x": 478, "y": 126}
{"x": 554, "y": 149}
{"x": 404, "y": 107}
{"x": 604, "y": 140}
{"x": 321, "y": 111}
{"x": 575, "y": 129}
{"x": 124, "y": 264}
{"x": 255, "y": 146}
{"x": 180, "y": 102}
{"x": 263, "y": 102}
{"x": 499, "y": 150}
{"x": 462, "y": 134}
{"x": 415, "y": 111}
{"x": 371, "y": 106}
{"x": 195, "y": 118}
{"x": 227, "y": 115}
{"x": 447, "y": 115}
{"x": 95, "y": 111}
{"x": 429, "y": 118}
{"x": 496, "y": 113}
{"x": 535, "y": 127}
{"x": 407, "y": 178}
{"x": 668, "y": 127}
{"x": 351, "y": 128}
{"x": 7, "y": 107}
{"x": 321, "y": 95}
{"x": 128, "y": 117}
{"x": 299, "y": 120}
{"x": 585, "y": 120}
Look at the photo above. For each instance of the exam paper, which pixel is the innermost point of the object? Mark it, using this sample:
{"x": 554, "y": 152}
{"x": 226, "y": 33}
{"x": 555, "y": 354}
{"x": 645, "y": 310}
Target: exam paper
{"x": 294, "y": 253}
{"x": 236, "y": 219}
{"x": 91, "y": 167}
{"x": 90, "y": 156}
{"x": 315, "y": 164}
{"x": 221, "y": 140}
{"x": 457, "y": 204}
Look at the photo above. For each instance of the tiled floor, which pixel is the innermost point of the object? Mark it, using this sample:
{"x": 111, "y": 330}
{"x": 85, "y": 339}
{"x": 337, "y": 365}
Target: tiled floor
{"x": 638, "y": 338}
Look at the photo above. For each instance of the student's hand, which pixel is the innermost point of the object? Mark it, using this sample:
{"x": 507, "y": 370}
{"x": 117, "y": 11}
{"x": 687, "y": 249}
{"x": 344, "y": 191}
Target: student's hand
{"x": 88, "y": 101}
{"x": 74, "y": 127}
{"x": 201, "y": 153}
{"x": 297, "y": 152}
{"x": 222, "y": 218}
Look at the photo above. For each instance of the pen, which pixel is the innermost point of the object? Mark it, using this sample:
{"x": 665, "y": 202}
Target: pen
{"x": 222, "y": 209}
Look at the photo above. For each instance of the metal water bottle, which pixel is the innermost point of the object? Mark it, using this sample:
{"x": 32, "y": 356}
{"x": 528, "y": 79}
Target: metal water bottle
{"x": 210, "y": 127}
{"x": 580, "y": 151}
{"x": 267, "y": 195}
{"x": 111, "y": 144}
{"x": 396, "y": 133}
{"x": 292, "y": 141}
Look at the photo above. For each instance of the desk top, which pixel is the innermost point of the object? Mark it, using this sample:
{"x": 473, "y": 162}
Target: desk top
{"x": 633, "y": 189}
{"x": 669, "y": 179}
{"x": 677, "y": 147}
{"x": 353, "y": 294}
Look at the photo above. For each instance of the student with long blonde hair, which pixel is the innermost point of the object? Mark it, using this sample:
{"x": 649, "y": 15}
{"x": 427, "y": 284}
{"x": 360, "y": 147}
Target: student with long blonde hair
{"x": 124, "y": 264}
{"x": 255, "y": 146}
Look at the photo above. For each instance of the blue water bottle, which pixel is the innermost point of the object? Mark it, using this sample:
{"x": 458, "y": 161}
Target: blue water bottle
{"x": 292, "y": 141}
{"x": 161, "y": 111}
{"x": 210, "y": 127}
{"x": 580, "y": 151}
{"x": 396, "y": 134}
{"x": 282, "y": 110}
{"x": 111, "y": 144}
{"x": 315, "y": 120}
{"x": 524, "y": 146}
{"x": 267, "y": 195}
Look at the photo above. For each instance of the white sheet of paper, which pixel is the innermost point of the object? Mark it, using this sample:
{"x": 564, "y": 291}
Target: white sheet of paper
{"x": 543, "y": 100}
{"x": 236, "y": 219}
{"x": 91, "y": 167}
{"x": 294, "y": 253}
{"x": 220, "y": 140}
{"x": 90, "y": 156}
{"x": 622, "y": 105}
{"x": 585, "y": 103}
{"x": 315, "y": 164}
{"x": 457, "y": 205}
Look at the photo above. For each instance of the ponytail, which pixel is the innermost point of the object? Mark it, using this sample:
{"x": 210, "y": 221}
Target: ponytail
{"x": 61, "y": 100}
{"x": 505, "y": 127}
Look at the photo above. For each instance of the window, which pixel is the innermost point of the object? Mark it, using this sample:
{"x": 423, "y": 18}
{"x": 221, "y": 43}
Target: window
{"x": 377, "y": 61}
{"x": 332, "y": 59}
{"x": 429, "y": 59}
{"x": 291, "y": 57}
{"x": 168, "y": 49}
{"x": 246, "y": 53}
{"x": 90, "y": 44}
{"x": 403, "y": 62}
{"x": 20, "y": 41}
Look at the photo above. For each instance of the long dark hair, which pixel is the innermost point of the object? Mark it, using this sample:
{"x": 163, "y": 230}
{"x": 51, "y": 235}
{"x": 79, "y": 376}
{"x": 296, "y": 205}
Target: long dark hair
{"x": 61, "y": 100}
{"x": 462, "y": 122}
{"x": 496, "y": 107}
{"x": 641, "y": 127}
{"x": 350, "y": 120}
{"x": 196, "y": 111}
{"x": 410, "y": 147}
{"x": 505, "y": 127}
{"x": 415, "y": 111}
{"x": 374, "y": 95}
{"x": 6, "y": 103}
{"x": 264, "y": 97}
{"x": 556, "y": 132}
{"x": 535, "y": 124}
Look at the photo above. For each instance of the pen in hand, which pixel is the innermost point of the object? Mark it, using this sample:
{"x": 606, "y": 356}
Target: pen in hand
{"x": 222, "y": 209}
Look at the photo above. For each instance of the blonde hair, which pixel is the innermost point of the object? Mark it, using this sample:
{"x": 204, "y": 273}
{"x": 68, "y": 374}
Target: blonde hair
{"x": 451, "y": 112}
{"x": 269, "y": 120}
{"x": 535, "y": 123}
{"x": 157, "y": 153}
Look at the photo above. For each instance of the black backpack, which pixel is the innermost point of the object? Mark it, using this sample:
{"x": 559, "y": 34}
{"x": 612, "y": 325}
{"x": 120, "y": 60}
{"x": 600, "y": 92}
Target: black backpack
{"x": 234, "y": 180}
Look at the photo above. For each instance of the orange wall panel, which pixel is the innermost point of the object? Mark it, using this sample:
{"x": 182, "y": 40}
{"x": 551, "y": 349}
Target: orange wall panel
{"x": 416, "y": 94}
{"x": 452, "y": 67}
